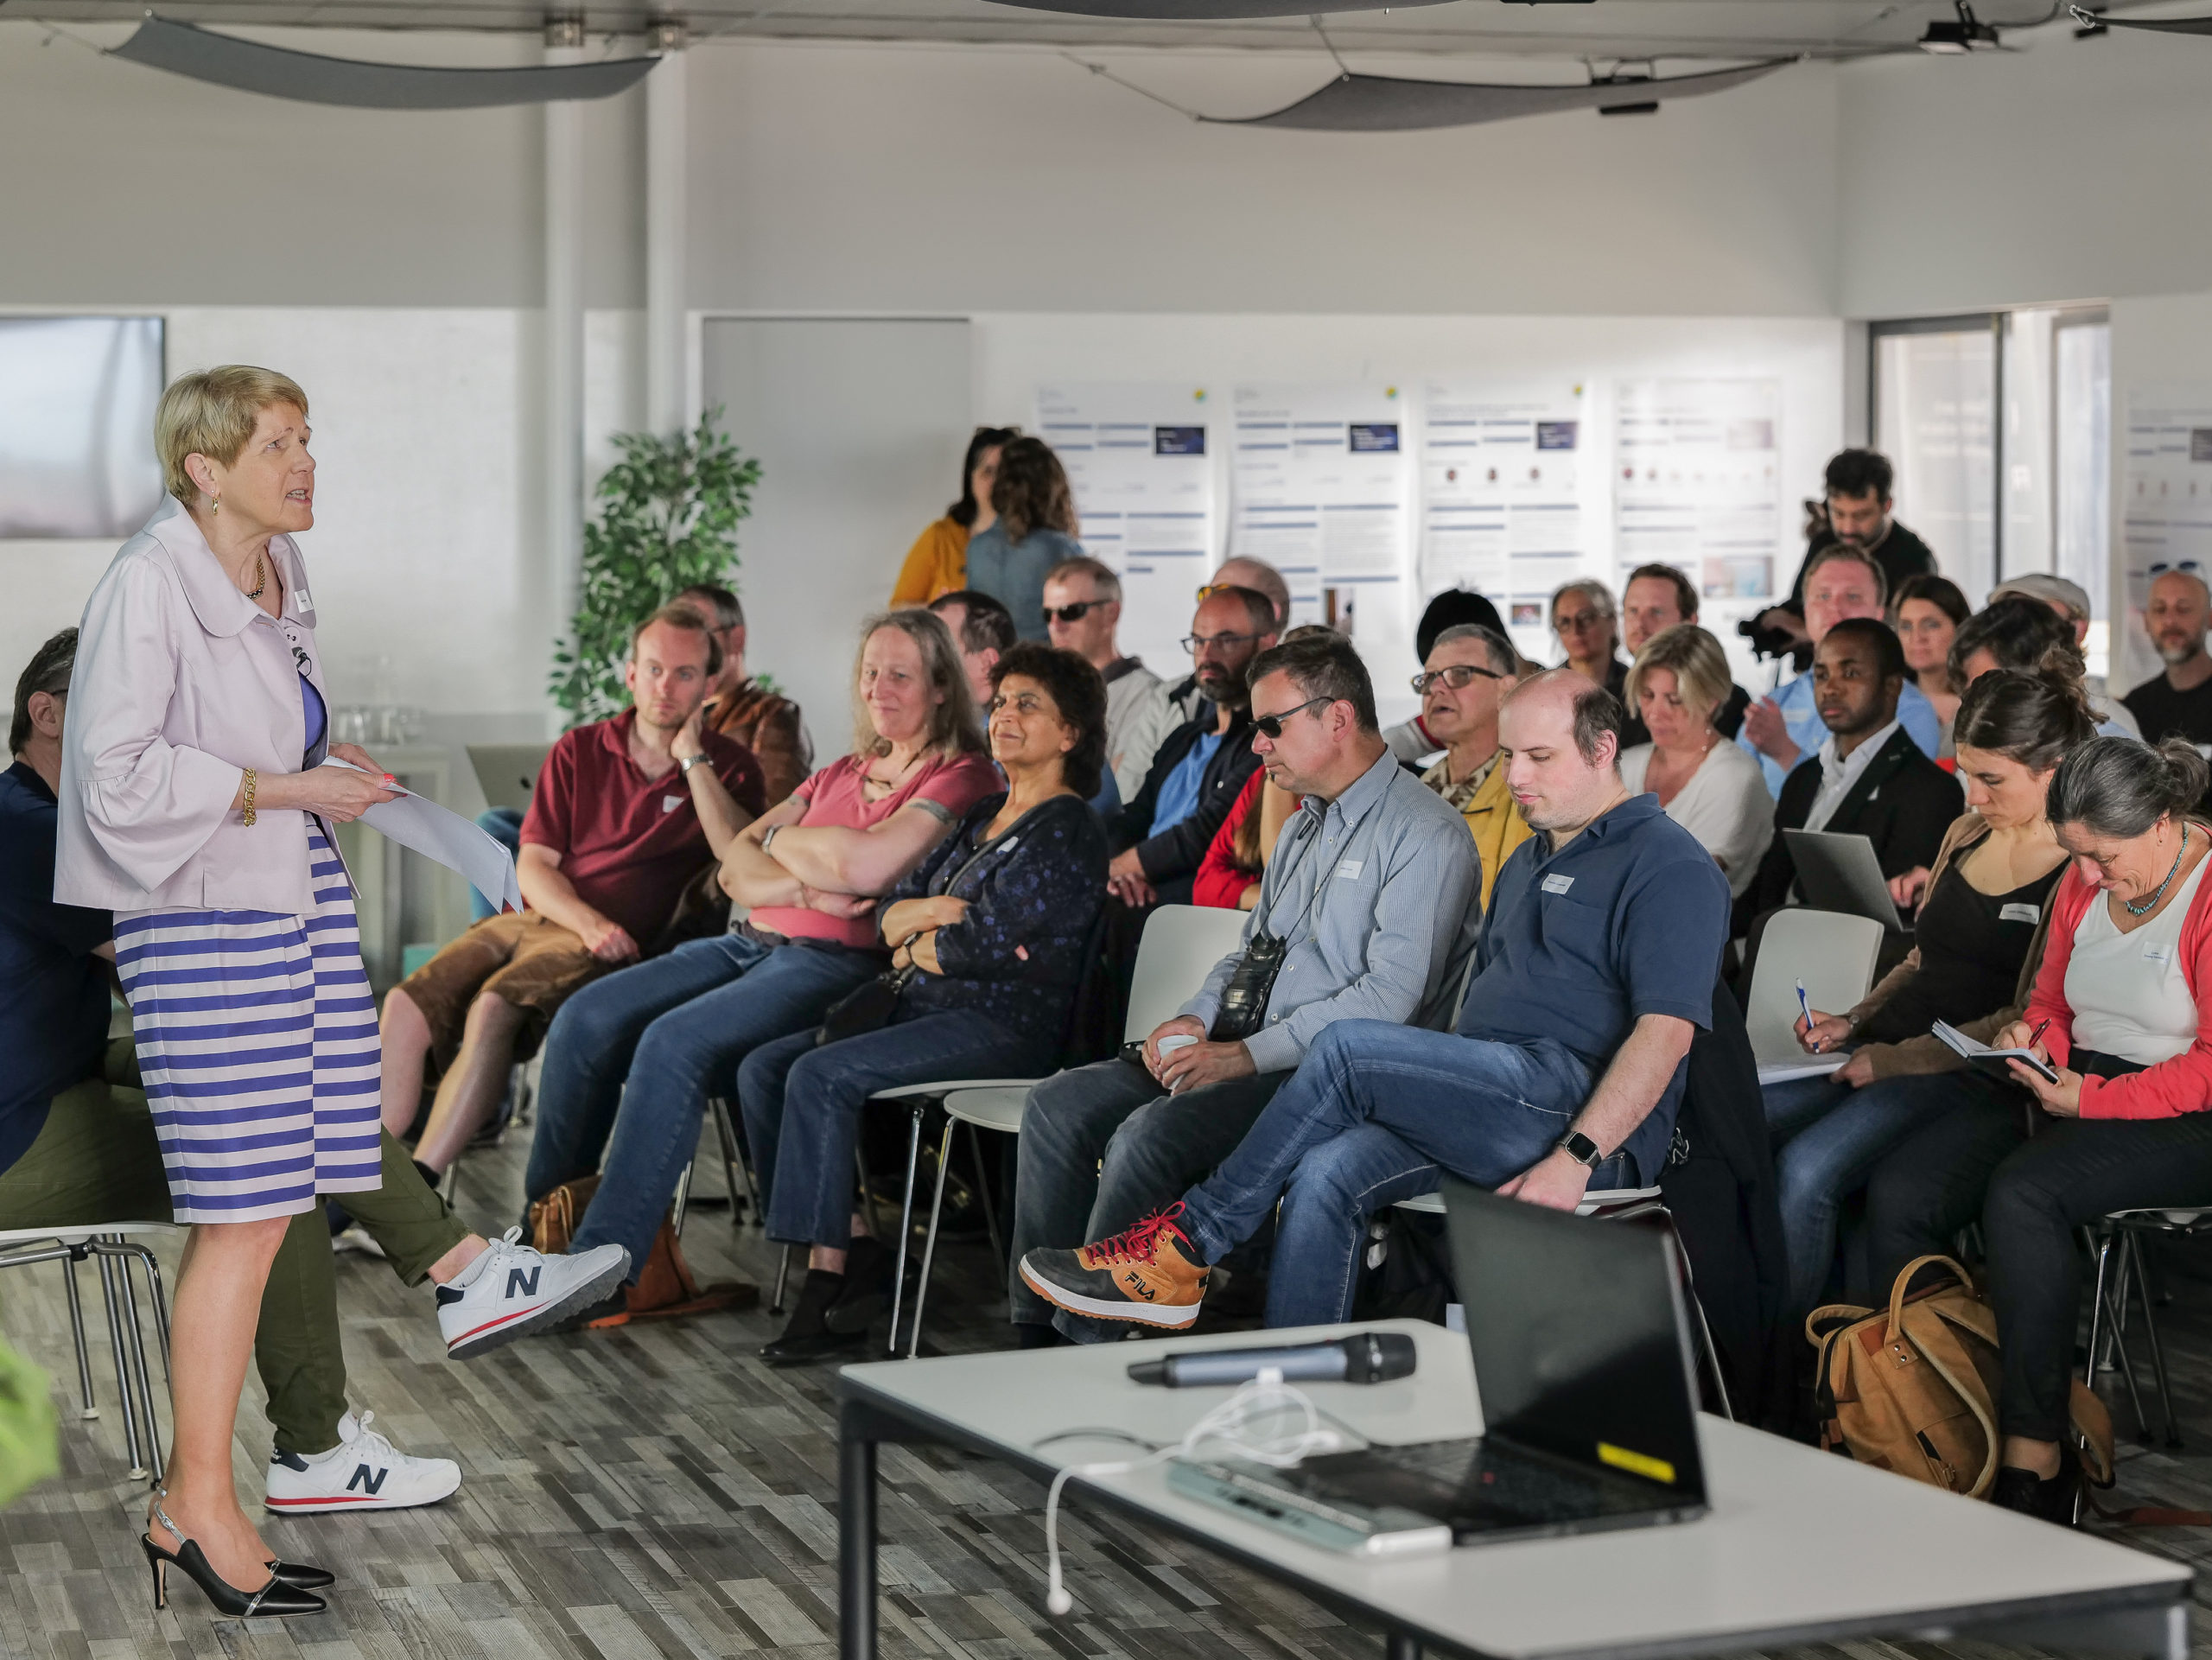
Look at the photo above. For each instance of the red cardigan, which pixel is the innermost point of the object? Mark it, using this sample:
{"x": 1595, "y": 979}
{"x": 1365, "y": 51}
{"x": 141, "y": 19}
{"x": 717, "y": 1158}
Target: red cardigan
{"x": 2167, "y": 1089}
{"x": 1219, "y": 882}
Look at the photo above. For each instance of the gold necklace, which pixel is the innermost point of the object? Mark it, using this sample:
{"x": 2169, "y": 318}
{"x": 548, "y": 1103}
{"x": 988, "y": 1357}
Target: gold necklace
{"x": 261, "y": 571}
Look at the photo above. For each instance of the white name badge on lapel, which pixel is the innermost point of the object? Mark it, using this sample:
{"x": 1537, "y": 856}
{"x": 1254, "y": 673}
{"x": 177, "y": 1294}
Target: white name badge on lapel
{"x": 1556, "y": 883}
{"x": 2028, "y": 913}
{"x": 2159, "y": 951}
{"x": 1348, "y": 870}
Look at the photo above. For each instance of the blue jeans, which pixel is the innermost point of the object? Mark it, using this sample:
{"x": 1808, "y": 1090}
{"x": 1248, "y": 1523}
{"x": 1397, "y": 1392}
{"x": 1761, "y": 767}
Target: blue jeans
{"x": 631, "y": 1059}
{"x": 1827, "y": 1139}
{"x": 1376, "y": 1113}
{"x": 803, "y": 1105}
{"x": 504, "y": 825}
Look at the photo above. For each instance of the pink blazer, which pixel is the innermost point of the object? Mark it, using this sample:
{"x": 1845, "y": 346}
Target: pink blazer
{"x": 182, "y": 682}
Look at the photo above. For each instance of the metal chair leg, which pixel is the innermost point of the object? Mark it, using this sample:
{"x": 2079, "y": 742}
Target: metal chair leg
{"x": 2158, "y": 1349}
{"x": 929, "y": 1244}
{"x": 681, "y": 1202}
{"x": 135, "y": 1340}
{"x": 867, "y": 1194}
{"x": 906, "y": 1223}
{"x": 737, "y": 1177}
{"x": 783, "y": 1280}
{"x": 77, "y": 1333}
{"x": 984, "y": 1184}
{"x": 2104, "y": 1242}
{"x": 138, "y": 1471}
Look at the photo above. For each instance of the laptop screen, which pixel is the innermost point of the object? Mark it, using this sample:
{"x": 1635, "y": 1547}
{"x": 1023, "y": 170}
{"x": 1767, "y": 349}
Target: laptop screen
{"x": 1581, "y": 1337}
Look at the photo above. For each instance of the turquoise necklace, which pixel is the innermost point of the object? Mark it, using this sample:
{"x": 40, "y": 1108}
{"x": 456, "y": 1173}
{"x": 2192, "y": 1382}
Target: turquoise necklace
{"x": 2152, "y": 904}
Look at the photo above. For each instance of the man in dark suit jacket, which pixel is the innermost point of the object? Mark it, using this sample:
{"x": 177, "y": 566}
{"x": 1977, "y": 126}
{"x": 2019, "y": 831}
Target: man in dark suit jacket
{"x": 1869, "y": 778}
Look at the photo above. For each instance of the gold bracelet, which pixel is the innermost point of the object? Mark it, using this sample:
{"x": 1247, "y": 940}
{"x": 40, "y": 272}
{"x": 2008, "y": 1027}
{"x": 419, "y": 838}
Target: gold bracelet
{"x": 252, "y": 777}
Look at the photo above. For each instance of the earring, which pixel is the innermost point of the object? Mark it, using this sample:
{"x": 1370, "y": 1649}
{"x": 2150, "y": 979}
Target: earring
{"x": 214, "y": 503}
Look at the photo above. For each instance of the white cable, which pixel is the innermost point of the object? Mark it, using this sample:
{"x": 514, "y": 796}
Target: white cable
{"x": 1234, "y": 1426}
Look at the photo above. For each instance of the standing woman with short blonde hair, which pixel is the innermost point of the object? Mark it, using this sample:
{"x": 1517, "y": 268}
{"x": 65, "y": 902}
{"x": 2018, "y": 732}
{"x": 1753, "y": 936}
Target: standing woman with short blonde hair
{"x": 196, "y": 806}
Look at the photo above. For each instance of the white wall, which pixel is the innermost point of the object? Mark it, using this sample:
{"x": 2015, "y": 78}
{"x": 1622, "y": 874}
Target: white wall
{"x": 2155, "y": 342}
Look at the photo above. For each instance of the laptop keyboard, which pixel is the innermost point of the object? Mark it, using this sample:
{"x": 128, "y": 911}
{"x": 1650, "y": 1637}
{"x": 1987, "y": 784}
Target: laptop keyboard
{"x": 1480, "y": 1486}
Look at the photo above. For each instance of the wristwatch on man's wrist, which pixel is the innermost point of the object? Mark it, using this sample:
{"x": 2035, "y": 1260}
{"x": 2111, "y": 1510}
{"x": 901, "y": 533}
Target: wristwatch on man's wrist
{"x": 685, "y": 763}
{"x": 1580, "y": 1148}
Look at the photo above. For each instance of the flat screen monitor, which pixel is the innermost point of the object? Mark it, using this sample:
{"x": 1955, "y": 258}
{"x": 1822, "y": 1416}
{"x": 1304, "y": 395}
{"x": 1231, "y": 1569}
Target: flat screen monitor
{"x": 77, "y": 398}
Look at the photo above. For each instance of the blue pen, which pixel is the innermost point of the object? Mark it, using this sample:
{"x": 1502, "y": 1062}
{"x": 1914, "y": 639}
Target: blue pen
{"x": 1805, "y": 1004}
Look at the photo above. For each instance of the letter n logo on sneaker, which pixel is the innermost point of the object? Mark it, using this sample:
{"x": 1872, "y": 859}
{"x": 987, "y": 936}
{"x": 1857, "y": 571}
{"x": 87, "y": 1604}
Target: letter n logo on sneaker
{"x": 371, "y": 1485}
{"x": 523, "y": 1284}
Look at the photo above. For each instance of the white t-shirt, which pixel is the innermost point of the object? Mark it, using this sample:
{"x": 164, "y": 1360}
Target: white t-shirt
{"x": 2127, "y": 991}
{"x": 1724, "y": 805}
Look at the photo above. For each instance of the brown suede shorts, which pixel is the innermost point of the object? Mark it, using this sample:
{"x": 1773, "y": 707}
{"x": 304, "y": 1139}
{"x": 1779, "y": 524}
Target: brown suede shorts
{"x": 521, "y": 957}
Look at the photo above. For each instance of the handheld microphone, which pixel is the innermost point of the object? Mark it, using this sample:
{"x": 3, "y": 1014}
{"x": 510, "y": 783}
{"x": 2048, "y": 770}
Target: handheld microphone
{"x": 1363, "y": 1358}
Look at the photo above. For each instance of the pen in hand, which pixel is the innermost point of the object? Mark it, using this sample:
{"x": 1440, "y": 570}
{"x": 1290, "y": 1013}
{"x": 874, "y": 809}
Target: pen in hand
{"x": 1805, "y": 1007}
{"x": 2036, "y": 1034}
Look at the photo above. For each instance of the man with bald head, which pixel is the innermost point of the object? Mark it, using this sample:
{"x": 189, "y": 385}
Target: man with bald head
{"x": 1596, "y": 968}
{"x": 2178, "y": 702}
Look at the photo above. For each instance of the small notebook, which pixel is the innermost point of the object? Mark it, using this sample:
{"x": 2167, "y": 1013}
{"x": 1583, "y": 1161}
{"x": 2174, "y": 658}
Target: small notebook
{"x": 1983, "y": 1059}
{"x": 1783, "y": 1071}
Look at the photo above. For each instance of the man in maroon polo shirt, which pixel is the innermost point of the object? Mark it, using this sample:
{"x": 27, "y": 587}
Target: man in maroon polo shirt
{"x": 618, "y": 825}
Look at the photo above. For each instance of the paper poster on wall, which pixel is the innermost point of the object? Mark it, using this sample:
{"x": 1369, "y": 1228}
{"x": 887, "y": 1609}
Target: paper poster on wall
{"x": 1136, "y": 459}
{"x": 1697, "y": 482}
{"x": 2165, "y": 515}
{"x": 1501, "y": 489}
{"x": 1321, "y": 482}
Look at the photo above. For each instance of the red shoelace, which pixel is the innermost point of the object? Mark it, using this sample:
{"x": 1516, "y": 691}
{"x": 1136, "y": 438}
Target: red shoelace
{"x": 1141, "y": 1242}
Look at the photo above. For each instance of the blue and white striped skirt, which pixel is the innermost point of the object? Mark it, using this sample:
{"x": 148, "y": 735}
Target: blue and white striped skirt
{"x": 257, "y": 1041}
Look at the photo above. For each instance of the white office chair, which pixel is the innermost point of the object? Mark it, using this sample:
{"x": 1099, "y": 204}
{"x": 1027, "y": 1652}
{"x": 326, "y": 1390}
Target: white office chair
{"x": 111, "y": 1244}
{"x": 1181, "y": 944}
{"x": 1832, "y": 953}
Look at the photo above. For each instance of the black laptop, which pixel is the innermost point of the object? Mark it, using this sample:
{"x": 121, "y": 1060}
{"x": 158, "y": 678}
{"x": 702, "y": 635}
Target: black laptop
{"x": 1585, "y": 1367}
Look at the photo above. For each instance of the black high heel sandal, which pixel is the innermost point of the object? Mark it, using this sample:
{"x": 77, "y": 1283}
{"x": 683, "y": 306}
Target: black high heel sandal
{"x": 277, "y": 1600}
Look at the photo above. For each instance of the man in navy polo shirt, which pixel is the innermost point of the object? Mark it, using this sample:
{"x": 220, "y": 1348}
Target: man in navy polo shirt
{"x": 1596, "y": 969}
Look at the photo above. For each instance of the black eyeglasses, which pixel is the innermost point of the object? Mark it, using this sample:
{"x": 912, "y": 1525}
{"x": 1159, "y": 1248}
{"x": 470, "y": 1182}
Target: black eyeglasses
{"x": 1070, "y": 613}
{"x": 1196, "y": 643}
{"x": 1456, "y": 676}
{"x": 1270, "y": 726}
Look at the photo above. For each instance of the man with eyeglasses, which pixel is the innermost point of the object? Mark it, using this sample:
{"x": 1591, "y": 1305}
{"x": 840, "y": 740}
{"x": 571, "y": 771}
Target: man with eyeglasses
{"x": 1653, "y": 599}
{"x": 1200, "y": 768}
{"x": 1469, "y": 671}
{"x": 2177, "y": 702}
{"x": 1371, "y": 894}
{"x": 1083, "y": 609}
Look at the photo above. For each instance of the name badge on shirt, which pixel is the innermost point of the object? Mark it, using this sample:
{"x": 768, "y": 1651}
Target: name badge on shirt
{"x": 1348, "y": 870}
{"x": 2159, "y": 951}
{"x": 1556, "y": 884}
{"x": 670, "y": 802}
{"x": 2028, "y": 913}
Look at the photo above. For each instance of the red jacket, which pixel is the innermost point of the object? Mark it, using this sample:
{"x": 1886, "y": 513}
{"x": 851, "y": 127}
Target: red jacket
{"x": 2167, "y": 1089}
{"x": 1220, "y": 881}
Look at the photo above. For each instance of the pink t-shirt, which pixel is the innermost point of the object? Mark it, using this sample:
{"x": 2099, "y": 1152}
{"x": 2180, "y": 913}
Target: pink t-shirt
{"x": 832, "y": 796}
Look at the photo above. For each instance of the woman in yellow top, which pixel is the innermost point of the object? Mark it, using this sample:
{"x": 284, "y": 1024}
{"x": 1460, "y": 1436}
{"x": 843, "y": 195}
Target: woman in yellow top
{"x": 938, "y": 563}
{"x": 1470, "y": 670}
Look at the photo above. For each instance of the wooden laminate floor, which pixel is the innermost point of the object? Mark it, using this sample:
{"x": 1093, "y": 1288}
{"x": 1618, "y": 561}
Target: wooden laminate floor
{"x": 656, "y": 1492}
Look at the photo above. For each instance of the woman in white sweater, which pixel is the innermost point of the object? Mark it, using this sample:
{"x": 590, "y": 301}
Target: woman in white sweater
{"x": 1709, "y": 786}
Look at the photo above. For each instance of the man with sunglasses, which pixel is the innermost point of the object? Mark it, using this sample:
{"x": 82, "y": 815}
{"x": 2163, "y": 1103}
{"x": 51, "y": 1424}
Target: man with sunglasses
{"x": 1200, "y": 768}
{"x": 1370, "y": 896}
{"x": 2177, "y": 702}
{"x": 1469, "y": 671}
{"x": 1083, "y": 609}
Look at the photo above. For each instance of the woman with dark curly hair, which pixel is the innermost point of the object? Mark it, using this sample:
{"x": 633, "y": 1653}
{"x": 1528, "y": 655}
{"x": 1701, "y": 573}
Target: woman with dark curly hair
{"x": 989, "y": 933}
{"x": 1034, "y": 531}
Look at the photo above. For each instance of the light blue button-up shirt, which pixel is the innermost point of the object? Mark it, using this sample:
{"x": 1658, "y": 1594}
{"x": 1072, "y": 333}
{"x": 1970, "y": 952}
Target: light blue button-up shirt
{"x": 1801, "y": 714}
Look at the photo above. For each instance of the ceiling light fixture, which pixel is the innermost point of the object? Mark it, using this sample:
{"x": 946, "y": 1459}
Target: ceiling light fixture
{"x": 1953, "y": 37}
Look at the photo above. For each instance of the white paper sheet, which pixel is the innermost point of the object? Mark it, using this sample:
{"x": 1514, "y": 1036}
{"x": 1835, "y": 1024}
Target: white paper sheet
{"x": 1137, "y": 458}
{"x": 1697, "y": 482}
{"x": 2165, "y": 505}
{"x": 1783, "y": 1071}
{"x": 440, "y": 834}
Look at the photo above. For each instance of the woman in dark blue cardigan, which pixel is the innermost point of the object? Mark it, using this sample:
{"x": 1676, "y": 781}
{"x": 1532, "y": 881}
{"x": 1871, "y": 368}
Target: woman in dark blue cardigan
{"x": 992, "y": 926}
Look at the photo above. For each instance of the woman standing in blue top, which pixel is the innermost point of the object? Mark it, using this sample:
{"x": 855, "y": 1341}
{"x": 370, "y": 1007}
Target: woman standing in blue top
{"x": 992, "y": 928}
{"x": 1034, "y": 531}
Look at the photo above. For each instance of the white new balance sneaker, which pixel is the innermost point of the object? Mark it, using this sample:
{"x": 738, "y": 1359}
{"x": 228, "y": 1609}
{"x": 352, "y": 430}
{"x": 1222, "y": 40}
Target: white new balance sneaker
{"x": 364, "y": 1472}
{"x": 512, "y": 1290}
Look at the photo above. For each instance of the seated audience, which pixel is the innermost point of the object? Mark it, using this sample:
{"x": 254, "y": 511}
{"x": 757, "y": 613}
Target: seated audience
{"x": 1855, "y": 513}
{"x": 938, "y": 563}
{"x": 1780, "y": 729}
{"x": 1655, "y": 598}
{"x": 1083, "y": 609}
{"x": 77, "y": 1145}
{"x": 1597, "y": 966}
{"x": 745, "y": 711}
{"x": 1229, "y": 876}
{"x": 1707, "y": 785}
{"x": 605, "y": 855}
{"x": 1975, "y": 943}
{"x": 1468, "y": 671}
{"x": 2176, "y": 702}
{"x": 1411, "y": 741}
{"x": 1162, "y": 833}
{"x": 1371, "y": 894}
{"x": 1926, "y": 612}
{"x": 991, "y": 930}
{"x": 631, "y": 1059}
{"x": 1588, "y": 628}
{"x": 2121, "y": 1007}
{"x": 984, "y": 631}
{"x": 2071, "y": 601}
{"x": 1869, "y": 778}
{"x": 1035, "y": 530}
{"x": 2018, "y": 632}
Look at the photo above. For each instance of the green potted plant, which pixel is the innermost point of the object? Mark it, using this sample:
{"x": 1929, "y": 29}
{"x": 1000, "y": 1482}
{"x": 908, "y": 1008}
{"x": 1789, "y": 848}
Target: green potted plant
{"x": 668, "y": 516}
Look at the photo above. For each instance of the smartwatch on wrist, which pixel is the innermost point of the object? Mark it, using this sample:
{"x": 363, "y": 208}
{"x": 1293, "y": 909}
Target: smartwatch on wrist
{"x": 1580, "y": 1148}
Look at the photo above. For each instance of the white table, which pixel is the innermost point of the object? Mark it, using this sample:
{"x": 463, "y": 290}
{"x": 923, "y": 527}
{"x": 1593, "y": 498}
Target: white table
{"x": 1799, "y": 1546}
